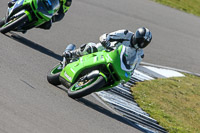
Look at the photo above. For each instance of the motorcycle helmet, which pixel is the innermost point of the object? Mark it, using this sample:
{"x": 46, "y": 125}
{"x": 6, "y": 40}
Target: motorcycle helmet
{"x": 141, "y": 38}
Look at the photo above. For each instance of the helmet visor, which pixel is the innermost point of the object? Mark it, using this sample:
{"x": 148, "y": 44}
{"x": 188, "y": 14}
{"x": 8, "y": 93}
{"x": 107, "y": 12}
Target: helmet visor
{"x": 142, "y": 38}
{"x": 138, "y": 42}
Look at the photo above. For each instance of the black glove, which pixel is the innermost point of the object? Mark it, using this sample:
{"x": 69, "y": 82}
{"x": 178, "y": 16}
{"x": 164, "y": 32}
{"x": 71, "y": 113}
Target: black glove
{"x": 105, "y": 44}
{"x": 104, "y": 39}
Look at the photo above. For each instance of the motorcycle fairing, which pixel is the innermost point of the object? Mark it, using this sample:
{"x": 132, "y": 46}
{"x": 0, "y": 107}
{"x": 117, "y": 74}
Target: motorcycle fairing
{"x": 73, "y": 70}
{"x": 111, "y": 61}
{"x": 128, "y": 58}
{"x": 16, "y": 7}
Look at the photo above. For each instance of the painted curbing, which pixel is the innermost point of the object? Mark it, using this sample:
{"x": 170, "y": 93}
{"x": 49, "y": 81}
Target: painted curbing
{"x": 120, "y": 100}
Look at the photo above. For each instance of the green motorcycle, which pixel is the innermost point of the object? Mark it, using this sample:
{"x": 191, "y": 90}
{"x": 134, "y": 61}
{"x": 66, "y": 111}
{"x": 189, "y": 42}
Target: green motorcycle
{"x": 27, "y": 14}
{"x": 91, "y": 73}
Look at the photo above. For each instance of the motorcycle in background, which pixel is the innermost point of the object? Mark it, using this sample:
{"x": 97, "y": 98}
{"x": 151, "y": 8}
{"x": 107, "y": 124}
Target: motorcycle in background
{"x": 27, "y": 14}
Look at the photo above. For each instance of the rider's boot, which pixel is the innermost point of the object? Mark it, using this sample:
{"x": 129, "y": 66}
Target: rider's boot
{"x": 74, "y": 53}
{"x": 67, "y": 55}
{"x": 84, "y": 49}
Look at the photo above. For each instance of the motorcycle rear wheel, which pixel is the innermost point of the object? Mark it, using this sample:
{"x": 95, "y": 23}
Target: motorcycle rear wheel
{"x": 13, "y": 23}
{"x": 53, "y": 75}
{"x": 81, "y": 89}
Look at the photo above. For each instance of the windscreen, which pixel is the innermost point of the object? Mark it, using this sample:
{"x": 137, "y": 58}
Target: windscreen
{"x": 128, "y": 58}
{"x": 47, "y": 7}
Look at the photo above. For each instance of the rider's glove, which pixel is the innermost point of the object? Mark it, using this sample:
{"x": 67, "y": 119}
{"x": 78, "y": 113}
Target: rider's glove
{"x": 104, "y": 40}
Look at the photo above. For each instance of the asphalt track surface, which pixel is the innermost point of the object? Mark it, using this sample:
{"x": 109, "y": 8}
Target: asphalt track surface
{"x": 28, "y": 103}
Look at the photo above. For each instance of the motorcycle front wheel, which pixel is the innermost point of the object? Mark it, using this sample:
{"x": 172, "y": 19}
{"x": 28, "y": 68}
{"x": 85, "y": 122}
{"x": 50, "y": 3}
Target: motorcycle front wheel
{"x": 13, "y": 23}
{"x": 83, "y": 88}
{"x": 53, "y": 75}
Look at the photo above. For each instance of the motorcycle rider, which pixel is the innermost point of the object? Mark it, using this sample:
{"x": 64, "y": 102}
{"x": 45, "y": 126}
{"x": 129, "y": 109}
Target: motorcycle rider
{"x": 134, "y": 44}
{"x": 64, "y": 6}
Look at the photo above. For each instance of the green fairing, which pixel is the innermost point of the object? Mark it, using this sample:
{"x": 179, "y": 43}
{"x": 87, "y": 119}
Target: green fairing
{"x": 40, "y": 16}
{"x": 36, "y": 12}
{"x": 72, "y": 71}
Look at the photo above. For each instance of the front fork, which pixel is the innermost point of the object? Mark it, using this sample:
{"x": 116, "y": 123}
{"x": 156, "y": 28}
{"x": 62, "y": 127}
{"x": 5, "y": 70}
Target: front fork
{"x": 22, "y": 12}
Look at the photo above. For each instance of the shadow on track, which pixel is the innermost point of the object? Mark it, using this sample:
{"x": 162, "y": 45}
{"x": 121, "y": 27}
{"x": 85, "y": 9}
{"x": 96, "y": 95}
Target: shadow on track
{"x": 106, "y": 112}
{"x": 33, "y": 45}
{"x": 110, "y": 114}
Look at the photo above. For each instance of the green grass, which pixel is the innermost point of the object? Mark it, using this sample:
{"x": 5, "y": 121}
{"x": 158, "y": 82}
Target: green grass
{"x": 173, "y": 102}
{"x": 189, "y": 6}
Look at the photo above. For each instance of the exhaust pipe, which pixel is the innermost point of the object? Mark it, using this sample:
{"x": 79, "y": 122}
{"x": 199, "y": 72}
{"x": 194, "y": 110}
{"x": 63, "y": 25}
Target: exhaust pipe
{"x": 93, "y": 74}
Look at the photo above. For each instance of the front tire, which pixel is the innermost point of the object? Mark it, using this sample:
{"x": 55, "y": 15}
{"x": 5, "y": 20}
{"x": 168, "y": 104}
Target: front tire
{"x": 14, "y": 23}
{"x": 78, "y": 91}
{"x": 53, "y": 75}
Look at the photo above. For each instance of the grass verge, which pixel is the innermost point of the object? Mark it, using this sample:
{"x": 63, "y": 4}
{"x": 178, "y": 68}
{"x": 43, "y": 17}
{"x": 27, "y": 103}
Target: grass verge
{"x": 173, "y": 102}
{"x": 189, "y": 6}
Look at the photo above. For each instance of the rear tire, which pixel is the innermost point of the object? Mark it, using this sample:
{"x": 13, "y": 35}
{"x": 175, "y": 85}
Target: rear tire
{"x": 7, "y": 27}
{"x": 92, "y": 86}
{"x": 53, "y": 75}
